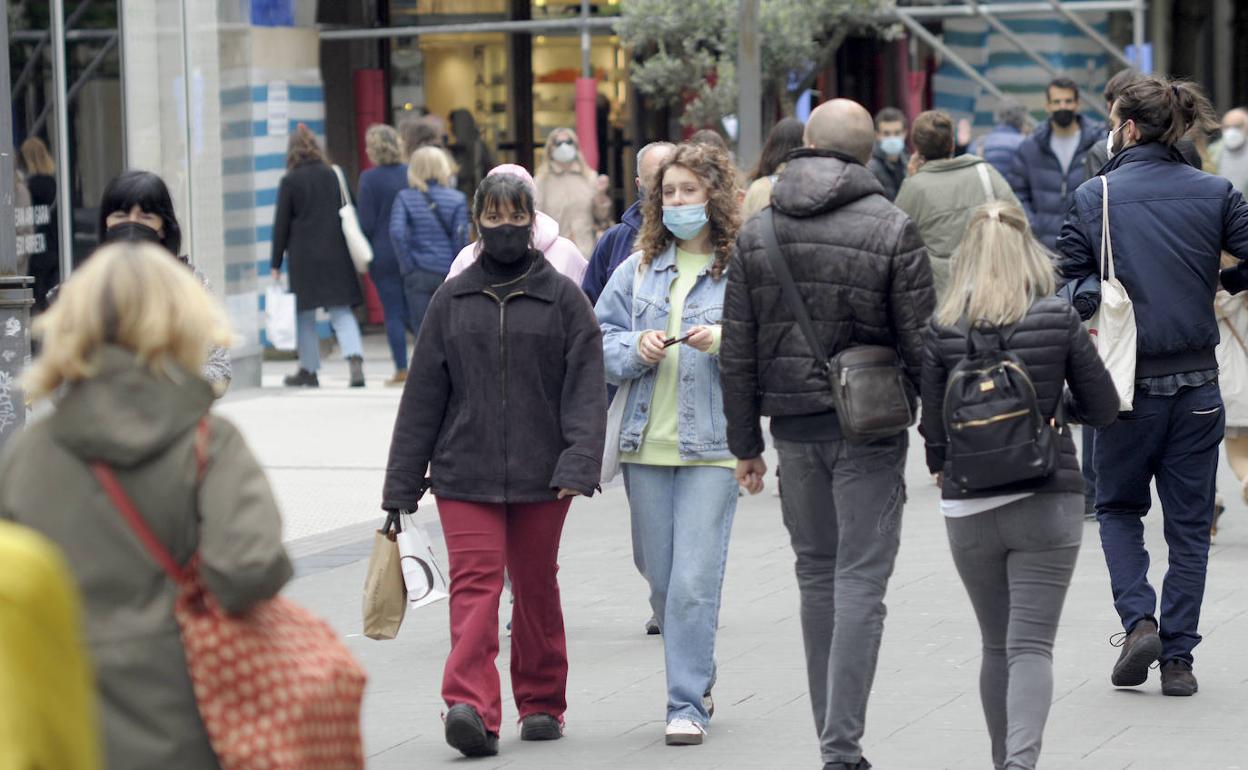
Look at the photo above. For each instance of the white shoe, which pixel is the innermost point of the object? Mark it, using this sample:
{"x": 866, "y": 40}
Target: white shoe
{"x": 684, "y": 732}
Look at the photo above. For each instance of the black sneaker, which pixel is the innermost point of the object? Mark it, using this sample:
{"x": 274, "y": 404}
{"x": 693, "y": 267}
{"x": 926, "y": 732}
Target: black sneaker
{"x": 302, "y": 379}
{"x": 356, "y": 365}
{"x": 1177, "y": 678}
{"x": 1140, "y": 649}
{"x": 652, "y": 627}
{"x": 466, "y": 732}
{"x": 540, "y": 727}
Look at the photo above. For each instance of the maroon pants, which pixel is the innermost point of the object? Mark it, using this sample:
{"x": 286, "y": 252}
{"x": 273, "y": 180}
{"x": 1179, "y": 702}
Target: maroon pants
{"x": 482, "y": 539}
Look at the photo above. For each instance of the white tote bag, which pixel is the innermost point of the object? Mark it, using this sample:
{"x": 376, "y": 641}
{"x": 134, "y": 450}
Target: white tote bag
{"x": 1113, "y": 326}
{"x": 425, "y": 581}
{"x": 279, "y": 317}
{"x": 357, "y": 244}
{"x": 615, "y": 414}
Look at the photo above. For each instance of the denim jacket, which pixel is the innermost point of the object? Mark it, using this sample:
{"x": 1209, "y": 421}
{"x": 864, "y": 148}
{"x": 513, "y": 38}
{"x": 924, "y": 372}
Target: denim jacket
{"x": 702, "y": 430}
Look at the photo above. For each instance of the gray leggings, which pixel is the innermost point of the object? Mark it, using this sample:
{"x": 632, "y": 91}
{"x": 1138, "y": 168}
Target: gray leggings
{"x": 1016, "y": 562}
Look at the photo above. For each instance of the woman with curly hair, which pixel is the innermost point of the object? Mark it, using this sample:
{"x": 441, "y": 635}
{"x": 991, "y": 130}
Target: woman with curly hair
{"x": 660, "y": 318}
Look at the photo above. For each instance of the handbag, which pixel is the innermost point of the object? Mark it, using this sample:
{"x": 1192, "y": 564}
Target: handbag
{"x": 615, "y": 413}
{"x": 1113, "y": 325}
{"x": 425, "y": 581}
{"x": 385, "y": 597}
{"x": 279, "y": 318}
{"x": 357, "y": 243}
{"x": 275, "y": 686}
{"x": 868, "y": 384}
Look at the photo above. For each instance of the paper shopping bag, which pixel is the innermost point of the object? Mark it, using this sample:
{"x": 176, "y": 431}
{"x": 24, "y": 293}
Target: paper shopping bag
{"x": 279, "y": 318}
{"x": 385, "y": 598}
{"x": 426, "y": 583}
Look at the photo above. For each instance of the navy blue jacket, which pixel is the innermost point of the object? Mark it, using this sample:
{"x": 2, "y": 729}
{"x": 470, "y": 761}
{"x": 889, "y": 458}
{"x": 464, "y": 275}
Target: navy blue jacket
{"x": 429, "y": 228}
{"x": 378, "y": 188}
{"x": 1038, "y": 181}
{"x": 615, "y": 246}
{"x": 1169, "y": 224}
{"x": 998, "y": 147}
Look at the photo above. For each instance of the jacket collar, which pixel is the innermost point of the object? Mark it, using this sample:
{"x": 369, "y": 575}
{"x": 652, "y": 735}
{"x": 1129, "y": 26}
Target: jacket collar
{"x": 541, "y": 282}
{"x": 1089, "y": 134}
{"x": 1136, "y": 153}
{"x": 632, "y": 215}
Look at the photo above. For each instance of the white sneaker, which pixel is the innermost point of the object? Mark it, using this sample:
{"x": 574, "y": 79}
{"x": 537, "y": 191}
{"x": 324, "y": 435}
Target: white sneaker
{"x": 684, "y": 732}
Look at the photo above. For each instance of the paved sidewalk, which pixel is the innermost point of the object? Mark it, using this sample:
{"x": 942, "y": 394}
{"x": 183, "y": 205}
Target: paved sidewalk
{"x": 325, "y": 451}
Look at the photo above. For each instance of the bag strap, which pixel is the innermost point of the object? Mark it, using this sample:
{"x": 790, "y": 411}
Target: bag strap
{"x": 1107, "y": 243}
{"x": 344, "y": 198}
{"x": 791, "y": 294}
{"x": 125, "y": 506}
{"x": 986, "y": 181}
{"x": 433, "y": 209}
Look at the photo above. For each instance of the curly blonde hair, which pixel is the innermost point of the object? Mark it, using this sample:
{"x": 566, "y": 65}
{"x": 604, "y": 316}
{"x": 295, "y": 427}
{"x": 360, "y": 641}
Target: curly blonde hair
{"x": 713, "y": 168}
{"x": 381, "y": 143}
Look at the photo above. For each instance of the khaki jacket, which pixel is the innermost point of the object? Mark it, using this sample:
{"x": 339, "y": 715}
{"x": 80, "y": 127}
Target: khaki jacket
{"x": 143, "y": 426}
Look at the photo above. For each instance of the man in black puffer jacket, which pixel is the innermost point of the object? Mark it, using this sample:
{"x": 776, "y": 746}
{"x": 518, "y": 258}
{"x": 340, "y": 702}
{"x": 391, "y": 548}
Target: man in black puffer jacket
{"x": 865, "y": 278}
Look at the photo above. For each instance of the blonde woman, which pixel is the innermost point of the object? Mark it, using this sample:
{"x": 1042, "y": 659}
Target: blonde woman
{"x": 45, "y": 264}
{"x": 428, "y": 227}
{"x": 570, "y": 191}
{"x": 124, "y": 346}
{"x": 379, "y": 186}
{"x": 1015, "y": 546}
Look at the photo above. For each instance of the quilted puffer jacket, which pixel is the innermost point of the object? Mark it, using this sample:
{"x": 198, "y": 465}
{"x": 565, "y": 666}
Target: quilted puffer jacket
{"x": 862, "y": 271}
{"x": 1055, "y": 348}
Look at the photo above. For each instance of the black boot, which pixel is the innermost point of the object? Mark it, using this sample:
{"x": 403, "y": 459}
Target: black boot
{"x": 1140, "y": 649}
{"x": 1177, "y": 678}
{"x": 466, "y": 732}
{"x": 302, "y": 379}
{"x": 540, "y": 727}
{"x": 356, "y": 363}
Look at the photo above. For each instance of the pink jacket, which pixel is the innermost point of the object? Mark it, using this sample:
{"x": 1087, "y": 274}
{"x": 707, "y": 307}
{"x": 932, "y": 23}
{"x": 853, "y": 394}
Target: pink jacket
{"x": 560, "y": 252}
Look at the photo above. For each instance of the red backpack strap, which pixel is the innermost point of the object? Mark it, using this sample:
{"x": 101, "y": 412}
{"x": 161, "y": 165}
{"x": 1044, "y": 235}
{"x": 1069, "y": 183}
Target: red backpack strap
{"x": 125, "y": 506}
{"x": 203, "y": 441}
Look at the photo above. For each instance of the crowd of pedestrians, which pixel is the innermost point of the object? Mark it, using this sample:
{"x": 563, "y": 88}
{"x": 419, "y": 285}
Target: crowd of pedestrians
{"x": 554, "y": 351}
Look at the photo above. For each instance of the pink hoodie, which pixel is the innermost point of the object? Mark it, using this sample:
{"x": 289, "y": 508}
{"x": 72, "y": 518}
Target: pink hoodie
{"x": 560, "y": 252}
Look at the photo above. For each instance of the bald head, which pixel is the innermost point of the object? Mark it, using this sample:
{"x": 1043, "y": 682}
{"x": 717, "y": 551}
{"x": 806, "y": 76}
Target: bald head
{"x": 842, "y": 125}
{"x": 1236, "y": 118}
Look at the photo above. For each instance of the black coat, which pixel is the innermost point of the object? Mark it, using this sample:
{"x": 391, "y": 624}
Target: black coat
{"x": 307, "y": 227}
{"x": 1056, "y": 350}
{"x": 509, "y": 401}
{"x": 861, "y": 269}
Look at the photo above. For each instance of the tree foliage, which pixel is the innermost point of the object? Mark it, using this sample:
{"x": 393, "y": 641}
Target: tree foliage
{"x": 685, "y": 51}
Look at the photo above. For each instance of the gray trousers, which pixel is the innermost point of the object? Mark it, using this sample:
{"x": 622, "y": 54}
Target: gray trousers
{"x": 1016, "y": 562}
{"x": 842, "y": 506}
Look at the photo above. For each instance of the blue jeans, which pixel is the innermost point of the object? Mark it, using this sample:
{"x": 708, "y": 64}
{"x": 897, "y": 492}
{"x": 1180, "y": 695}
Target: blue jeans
{"x": 345, "y": 329}
{"x": 682, "y": 518}
{"x": 419, "y": 287}
{"x": 398, "y": 321}
{"x": 1175, "y": 440}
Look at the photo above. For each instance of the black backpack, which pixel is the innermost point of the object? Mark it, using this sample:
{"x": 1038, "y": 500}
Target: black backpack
{"x": 995, "y": 432}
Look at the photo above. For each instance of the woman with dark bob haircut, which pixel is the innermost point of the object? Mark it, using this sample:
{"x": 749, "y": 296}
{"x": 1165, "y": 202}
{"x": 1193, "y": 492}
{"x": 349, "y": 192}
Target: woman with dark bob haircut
{"x": 136, "y": 206}
{"x": 508, "y": 410}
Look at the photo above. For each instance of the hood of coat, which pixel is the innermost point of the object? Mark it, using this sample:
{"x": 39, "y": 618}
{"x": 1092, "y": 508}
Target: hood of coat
{"x": 126, "y": 414}
{"x": 950, "y": 164}
{"x": 816, "y": 181}
{"x": 545, "y": 232}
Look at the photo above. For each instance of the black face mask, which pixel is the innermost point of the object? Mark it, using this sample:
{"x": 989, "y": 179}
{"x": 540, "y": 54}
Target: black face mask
{"x": 1063, "y": 118}
{"x": 506, "y": 244}
{"x": 132, "y": 231}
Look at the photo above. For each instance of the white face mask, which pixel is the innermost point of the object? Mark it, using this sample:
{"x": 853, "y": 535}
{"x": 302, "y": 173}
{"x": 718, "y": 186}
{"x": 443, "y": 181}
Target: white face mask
{"x": 1109, "y": 143}
{"x": 564, "y": 153}
{"x": 1233, "y": 138}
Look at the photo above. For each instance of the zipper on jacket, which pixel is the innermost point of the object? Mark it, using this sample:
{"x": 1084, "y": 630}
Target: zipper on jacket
{"x": 502, "y": 366}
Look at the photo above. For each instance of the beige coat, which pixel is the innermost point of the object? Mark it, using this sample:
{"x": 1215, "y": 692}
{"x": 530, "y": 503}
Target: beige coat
{"x": 1232, "y": 313}
{"x": 143, "y": 426}
{"x": 571, "y": 199}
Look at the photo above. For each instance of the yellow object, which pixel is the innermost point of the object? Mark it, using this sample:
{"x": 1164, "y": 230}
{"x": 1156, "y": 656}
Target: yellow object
{"x": 47, "y": 697}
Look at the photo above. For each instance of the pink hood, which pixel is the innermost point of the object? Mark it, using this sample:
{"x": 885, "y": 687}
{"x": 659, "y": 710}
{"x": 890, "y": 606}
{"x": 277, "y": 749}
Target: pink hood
{"x": 560, "y": 252}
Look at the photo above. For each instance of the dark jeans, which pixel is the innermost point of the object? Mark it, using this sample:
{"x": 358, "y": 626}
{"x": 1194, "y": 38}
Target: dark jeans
{"x": 1174, "y": 440}
{"x": 419, "y": 287}
{"x": 389, "y": 285}
{"x": 842, "y": 506}
{"x": 1088, "y": 463}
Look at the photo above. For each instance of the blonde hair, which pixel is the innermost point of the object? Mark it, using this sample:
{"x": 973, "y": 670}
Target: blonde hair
{"x": 381, "y": 143}
{"x": 36, "y": 158}
{"x": 135, "y": 296}
{"x": 429, "y": 164}
{"x": 998, "y": 271}
{"x": 580, "y": 165}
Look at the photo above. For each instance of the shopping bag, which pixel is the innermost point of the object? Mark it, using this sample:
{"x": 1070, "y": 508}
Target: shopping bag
{"x": 279, "y": 317}
{"x": 1113, "y": 326}
{"x": 425, "y": 581}
{"x": 385, "y": 599}
{"x": 358, "y": 247}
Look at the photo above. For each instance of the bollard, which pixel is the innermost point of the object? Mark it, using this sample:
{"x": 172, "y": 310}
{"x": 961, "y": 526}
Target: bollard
{"x": 16, "y": 298}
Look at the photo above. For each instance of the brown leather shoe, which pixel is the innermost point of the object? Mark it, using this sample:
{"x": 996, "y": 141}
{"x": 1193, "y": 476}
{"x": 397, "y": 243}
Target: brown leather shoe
{"x": 1140, "y": 649}
{"x": 1177, "y": 678}
{"x": 400, "y": 377}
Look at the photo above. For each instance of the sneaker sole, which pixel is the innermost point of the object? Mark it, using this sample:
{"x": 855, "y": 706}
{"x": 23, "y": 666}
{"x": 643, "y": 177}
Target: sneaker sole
{"x": 541, "y": 731}
{"x": 684, "y": 740}
{"x": 1133, "y": 670}
{"x": 469, "y": 737}
{"x": 1180, "y": 691}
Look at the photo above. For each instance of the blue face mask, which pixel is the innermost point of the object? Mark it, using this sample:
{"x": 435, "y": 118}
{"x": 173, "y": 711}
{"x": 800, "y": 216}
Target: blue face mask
{"x": 893, "y": 145}
{"x": 685, "y": 222}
